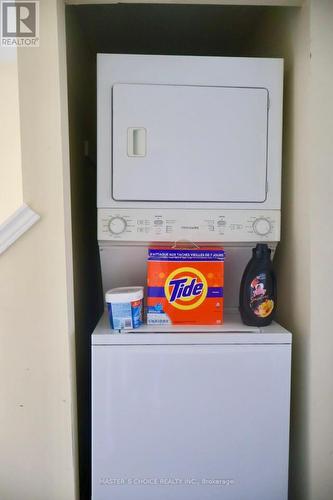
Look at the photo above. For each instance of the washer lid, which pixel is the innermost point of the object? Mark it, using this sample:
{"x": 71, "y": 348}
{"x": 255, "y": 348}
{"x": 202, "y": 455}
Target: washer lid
{"x": 233, "y": 331}
{"x": 189, "y": 143}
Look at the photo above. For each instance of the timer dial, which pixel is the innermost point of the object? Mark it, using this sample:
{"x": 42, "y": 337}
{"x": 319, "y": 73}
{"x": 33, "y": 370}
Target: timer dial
{"x": 262, "y": 226}
{"x": 117, "y": 225}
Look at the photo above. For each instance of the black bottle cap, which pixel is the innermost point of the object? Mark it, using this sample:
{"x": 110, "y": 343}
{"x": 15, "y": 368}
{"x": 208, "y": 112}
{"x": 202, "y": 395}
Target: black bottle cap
{"x": 261, "y": 251}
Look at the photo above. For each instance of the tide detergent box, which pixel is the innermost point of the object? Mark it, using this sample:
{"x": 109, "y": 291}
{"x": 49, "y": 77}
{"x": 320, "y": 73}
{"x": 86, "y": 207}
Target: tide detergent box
{"x": 185, "y": 286}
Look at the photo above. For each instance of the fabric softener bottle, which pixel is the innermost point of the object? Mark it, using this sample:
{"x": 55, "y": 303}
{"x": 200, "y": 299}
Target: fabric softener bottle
{"x": 257, "y": 297}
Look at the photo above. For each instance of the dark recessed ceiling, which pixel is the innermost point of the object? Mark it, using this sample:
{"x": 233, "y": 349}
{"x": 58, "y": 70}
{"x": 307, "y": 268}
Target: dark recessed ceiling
{"x": 169, "y": 29}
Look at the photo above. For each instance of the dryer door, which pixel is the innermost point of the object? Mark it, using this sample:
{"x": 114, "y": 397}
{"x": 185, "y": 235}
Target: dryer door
{"x": 189, "y": 143}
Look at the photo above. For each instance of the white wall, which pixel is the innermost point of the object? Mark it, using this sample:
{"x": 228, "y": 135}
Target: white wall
{"x": 10, "y": 143}
{"x": 37, "y": 382}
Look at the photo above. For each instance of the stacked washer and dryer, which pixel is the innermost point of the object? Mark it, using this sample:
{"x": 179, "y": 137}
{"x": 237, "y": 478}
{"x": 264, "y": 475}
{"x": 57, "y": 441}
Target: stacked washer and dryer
{"x": 189, "y": 148}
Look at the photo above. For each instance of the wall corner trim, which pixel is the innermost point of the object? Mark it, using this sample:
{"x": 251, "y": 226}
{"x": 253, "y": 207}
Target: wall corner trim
{"x": 16, "y": 225}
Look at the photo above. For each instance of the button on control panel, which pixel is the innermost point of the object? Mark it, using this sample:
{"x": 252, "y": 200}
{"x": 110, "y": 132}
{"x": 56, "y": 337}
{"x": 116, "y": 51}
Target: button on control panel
{"x": 193, "y": 225}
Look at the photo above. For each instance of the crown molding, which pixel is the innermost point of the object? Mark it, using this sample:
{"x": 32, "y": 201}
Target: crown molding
{"x": 16, "y": 225}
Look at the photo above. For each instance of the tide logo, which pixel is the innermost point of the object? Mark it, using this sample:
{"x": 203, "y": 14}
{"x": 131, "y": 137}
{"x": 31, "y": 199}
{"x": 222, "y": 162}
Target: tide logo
{"x": 186, "y": 288}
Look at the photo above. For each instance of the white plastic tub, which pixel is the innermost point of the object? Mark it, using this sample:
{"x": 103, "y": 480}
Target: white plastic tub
{"x": 125, "y": 307}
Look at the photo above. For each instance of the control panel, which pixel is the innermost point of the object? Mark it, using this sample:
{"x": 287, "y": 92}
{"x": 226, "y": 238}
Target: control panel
{"x": 194, "y": 225}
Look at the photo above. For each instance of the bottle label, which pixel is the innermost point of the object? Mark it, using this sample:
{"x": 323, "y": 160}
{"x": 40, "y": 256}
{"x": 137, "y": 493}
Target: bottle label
{"x": 260, "y": 298}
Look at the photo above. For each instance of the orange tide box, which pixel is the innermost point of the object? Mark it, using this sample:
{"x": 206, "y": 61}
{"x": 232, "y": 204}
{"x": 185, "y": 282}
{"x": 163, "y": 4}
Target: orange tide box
{"x": 185, "y": 286}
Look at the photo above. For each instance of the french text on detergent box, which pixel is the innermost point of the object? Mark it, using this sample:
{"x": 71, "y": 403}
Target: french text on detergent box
{"x": 185, "y": 286}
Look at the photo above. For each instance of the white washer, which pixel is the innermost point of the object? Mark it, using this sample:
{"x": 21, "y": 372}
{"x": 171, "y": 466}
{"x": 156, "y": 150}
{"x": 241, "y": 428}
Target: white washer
{"x": 191, "y": 413}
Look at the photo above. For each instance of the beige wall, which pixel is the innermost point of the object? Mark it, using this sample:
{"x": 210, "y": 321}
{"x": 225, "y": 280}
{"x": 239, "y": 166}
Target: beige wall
{"x": 38, "y": 453}
{"x": 287, "y": 3}
{"x": 37, "y": 382}
{"x": 320, "y": 404}
{"x": 10, "y": 143}
{"x": 88, "y": 299}
{"x": 286, "y": 34}
{"x": 305, "y": 39}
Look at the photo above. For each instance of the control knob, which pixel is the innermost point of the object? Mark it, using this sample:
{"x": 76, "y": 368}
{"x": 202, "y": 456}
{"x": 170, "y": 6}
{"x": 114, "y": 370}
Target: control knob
{"x": 262, "y": 226}
{"x": 117, "y": 225}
